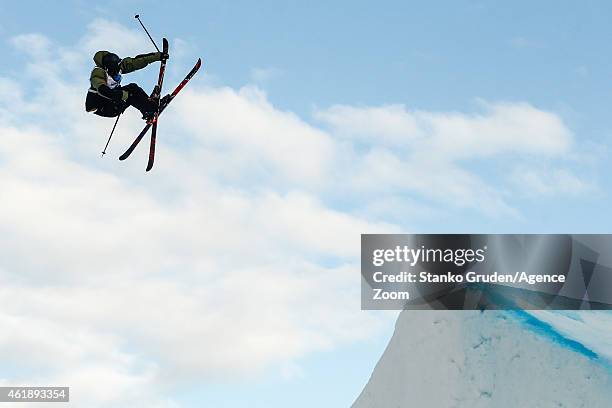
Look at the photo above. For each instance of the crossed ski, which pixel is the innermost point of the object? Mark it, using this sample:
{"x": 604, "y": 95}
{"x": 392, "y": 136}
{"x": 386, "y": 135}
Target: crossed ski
{"x": 161, "y": 106}
{"x": 156, "y": 96}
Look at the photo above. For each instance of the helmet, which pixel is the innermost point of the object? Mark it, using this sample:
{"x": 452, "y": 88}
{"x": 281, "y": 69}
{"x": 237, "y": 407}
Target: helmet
{"x": 110, "y": 62}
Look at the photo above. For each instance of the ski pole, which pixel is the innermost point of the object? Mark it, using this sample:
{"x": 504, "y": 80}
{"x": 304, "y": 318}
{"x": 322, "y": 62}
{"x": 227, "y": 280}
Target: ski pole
{"x": 137, "y": 17}
{"x": 111, "y": 135}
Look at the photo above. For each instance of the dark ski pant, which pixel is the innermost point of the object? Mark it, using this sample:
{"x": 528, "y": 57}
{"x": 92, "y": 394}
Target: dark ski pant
{"x": 137, "y": 98}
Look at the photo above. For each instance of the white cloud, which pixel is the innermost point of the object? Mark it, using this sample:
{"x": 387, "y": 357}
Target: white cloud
{"x": 538, "y": 181}
{"x": 213, "y": 282}
{"x": 505, "y": 128}
{"x": 35, "y": 45}
{"x": 261, "y": 138}
{"x": 391, "y": 124}
{"x": 501, "y": 128}
{"x": 102, "y": 34}
{"x": 384, "y": 172}
{"x": 427, "y": 153}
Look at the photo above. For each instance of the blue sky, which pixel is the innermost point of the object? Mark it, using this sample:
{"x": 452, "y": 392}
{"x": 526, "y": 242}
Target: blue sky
{"x": 550, "y": 53}
{"x": 314, "y": 71}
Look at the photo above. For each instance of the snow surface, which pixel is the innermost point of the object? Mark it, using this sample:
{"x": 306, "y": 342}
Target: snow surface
{"x": 494, "y": 359}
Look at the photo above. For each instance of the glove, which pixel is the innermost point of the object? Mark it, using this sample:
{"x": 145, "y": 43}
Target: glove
{"x": 163, "y": 56}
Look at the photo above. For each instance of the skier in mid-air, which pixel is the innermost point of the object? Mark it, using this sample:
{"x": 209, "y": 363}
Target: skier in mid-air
{"x": 107, "y": 97}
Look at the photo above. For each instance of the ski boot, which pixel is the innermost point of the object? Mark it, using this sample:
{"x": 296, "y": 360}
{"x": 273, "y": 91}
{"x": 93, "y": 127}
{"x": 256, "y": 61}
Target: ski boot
{"x": 148, "y": 116}
{"x": 155, "y": 94}
{"x": 164, "y": 101}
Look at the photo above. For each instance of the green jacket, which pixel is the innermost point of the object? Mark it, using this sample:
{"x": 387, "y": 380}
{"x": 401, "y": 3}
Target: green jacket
{"x": 98, "y": 75}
